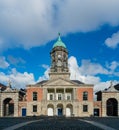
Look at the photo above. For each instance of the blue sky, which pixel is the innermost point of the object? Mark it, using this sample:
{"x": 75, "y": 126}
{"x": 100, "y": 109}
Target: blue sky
{"x": 90, "y": 30}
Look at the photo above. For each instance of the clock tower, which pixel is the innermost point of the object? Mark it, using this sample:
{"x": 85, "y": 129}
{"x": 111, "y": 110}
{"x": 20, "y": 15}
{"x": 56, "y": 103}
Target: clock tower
{"x": 59, "y": 60}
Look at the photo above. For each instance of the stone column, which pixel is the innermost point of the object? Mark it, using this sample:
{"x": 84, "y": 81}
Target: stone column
{"x": 55, "y": 94}
{"x": 16, "y": 109}
{"x": 64, "y": 94}
{"x": 104, "y": 108}
{"x": 7, "y": 109}
{"x": 16, "y": 105}
{"x": 45, "y": 94}
{"x": 64, "y": 109}
{"x": 74, "y": 94}
{"x": 55, "y": 110}
{"x": 1, "y": 105}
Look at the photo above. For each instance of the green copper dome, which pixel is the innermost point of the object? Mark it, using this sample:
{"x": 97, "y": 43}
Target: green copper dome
{"x": 59, "y": 43}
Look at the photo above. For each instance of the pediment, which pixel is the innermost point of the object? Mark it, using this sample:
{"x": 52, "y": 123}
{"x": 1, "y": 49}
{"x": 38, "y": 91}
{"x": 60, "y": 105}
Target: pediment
{"x": 10, "y": 90}
{"x": 59, "y": 82}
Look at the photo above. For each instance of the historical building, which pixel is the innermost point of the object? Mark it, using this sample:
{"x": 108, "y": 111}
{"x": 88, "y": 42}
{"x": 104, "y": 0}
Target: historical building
{"x": 108, "y": 101}
{"x": 58, "y": 96}
{"x": 9, "y": 100}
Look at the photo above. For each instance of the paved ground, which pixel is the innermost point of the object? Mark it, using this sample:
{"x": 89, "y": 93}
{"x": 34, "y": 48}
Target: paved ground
{"x": 60, "y": 123}
{"x": 9, "y": 121}
{"x": 109, "y": 121}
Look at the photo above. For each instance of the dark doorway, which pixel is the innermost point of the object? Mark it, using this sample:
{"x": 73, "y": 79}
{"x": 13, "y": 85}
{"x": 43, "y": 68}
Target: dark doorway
{"x": 60, "y": 113}
{"x": 96, "y": 112}
{"x": 8, "y": 107}
{"x": 112, "y": 107}
{"x": 23, "y": 111}
{"x": 60, "y": 110}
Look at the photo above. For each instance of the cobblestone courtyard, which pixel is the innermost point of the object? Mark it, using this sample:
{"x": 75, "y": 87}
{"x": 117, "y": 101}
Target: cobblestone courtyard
{"x": 59, "y": 123}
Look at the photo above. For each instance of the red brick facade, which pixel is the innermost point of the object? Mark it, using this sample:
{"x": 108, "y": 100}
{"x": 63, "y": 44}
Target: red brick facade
{"x": 30, "y": 93}
{"x": 80, "y": 93}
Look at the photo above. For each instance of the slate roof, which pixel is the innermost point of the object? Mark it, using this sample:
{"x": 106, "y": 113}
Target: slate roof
{"x": 116, "y": 87}
{"x": 41, "y": 82}
{"x": 77, "y": 81}
{"x": 3, "y": 87}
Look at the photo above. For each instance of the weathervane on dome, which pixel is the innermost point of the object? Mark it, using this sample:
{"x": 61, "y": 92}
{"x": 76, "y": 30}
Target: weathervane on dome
{"x": 59, "y": 39}
{"x": 59, "y": 33}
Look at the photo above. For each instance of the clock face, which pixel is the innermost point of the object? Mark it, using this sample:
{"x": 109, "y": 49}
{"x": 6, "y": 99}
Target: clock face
{"x": 59, "y": 56}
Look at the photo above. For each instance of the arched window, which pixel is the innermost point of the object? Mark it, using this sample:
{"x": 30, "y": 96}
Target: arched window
{"x": 85, "y": 96}
{"x": 34, "y": 96}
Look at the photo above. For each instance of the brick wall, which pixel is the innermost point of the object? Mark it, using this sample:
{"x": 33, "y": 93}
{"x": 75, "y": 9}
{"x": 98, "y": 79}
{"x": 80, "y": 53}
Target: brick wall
{"x": 80, "y": 93}
{"x": 30, "y": 93}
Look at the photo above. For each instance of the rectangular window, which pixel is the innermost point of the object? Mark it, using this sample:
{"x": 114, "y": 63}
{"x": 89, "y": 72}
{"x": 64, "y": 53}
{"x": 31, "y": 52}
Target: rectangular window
{"x": 85, "y": 108}
{"x": 85, "y": 96}
{"x": 34, "y": 108}
{"x": 68, "y": 97}
{"x": 59, "y": 96}
{"x": 34, "y": 96}
{"x": 51, "y": 97}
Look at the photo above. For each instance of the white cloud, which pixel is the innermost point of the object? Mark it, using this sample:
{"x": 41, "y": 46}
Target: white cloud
{"x": 113, "y": 65}
{"x": 3, "y": 63}
{"x": 101, "y": 86}
{"x": 18, "y": 80}
{"x": 89, "y": 68}
{"x": 45, "y": 76}
{"x": 113, "y": 41}
{"x": 87, "y": 72}
{"x": 45, "y": 66}
{"x": 3, "y": 78}
{"x": 77, "y": 72}
{"x": 86, "y": 68}
{"x": 113, "y": 68}
{"x": 32, "y": 23}
{"x": 104, "y": 85}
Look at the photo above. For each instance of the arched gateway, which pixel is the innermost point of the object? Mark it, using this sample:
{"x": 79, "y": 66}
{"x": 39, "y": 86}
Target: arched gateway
{"x": 9, "y": 102}
{"x": 112, "y": 107}
{"x": 8, "y": 105}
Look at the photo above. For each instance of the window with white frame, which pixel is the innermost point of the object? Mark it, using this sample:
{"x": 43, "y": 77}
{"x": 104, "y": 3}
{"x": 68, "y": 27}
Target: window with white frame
{"x": 59, "y": 96}
{"x": 68, "y": 96}
{"x": 50, "y": 96}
